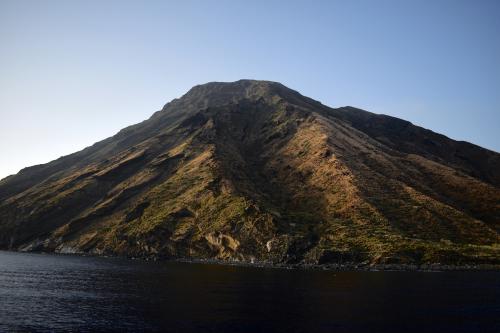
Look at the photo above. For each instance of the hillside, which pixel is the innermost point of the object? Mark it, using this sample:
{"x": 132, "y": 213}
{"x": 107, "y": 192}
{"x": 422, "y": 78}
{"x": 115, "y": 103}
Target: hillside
{"x": 254, "y": 171}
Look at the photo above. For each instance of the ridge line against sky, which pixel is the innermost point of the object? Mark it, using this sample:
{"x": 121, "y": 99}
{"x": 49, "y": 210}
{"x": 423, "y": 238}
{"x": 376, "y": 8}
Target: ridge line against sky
{"x": 73, "y": 73}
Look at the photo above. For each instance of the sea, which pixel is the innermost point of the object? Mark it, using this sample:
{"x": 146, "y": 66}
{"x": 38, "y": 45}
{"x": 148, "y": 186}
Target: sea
{"x": 65, "y": 293}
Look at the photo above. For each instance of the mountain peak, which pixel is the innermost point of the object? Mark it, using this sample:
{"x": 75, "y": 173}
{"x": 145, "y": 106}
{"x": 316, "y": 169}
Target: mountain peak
{"x": 225, "y": 92}
{"x": 213, "y": 94}
{"x": 234, "y": 86}
{"x": 250, "y": 170}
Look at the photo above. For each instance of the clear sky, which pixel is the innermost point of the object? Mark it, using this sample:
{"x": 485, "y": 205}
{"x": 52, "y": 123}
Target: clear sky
{"x": 75, "y": 72}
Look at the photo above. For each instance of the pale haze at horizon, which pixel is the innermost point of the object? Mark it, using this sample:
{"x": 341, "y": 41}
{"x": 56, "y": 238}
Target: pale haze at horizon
{"x": 75, "y": 72}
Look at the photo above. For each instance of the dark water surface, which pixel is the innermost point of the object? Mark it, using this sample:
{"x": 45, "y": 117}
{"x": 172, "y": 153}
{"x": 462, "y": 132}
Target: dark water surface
{"x": 68, "y": 293}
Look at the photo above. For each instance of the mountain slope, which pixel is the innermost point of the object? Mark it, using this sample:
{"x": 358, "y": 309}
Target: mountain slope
{"x": 252, "y": 170}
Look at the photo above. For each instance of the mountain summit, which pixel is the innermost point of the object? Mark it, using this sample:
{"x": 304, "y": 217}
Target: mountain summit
{"x": 254, "y": 171}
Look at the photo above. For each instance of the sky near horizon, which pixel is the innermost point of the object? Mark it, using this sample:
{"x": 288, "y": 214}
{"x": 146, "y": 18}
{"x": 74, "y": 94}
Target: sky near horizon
{"x": 75, "y": 72}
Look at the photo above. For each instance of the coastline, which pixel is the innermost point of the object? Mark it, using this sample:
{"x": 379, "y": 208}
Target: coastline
{"x": 339, "y": 267}
{"x": 336, "y": 267}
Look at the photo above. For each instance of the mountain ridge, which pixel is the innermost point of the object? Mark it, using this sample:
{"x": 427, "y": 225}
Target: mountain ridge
{"x": 252, "y": 170}
{"x": 211, "y": 83}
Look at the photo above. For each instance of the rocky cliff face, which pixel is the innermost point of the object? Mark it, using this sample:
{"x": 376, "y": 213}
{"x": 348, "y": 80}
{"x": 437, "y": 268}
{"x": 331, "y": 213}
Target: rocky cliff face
{"x": 252, "y": 170}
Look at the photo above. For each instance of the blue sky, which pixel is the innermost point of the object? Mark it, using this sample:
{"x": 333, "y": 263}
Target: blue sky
{"x": 75, "y": 72}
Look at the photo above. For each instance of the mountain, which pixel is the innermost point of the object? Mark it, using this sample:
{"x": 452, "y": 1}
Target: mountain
{"x": 254, "y": 171}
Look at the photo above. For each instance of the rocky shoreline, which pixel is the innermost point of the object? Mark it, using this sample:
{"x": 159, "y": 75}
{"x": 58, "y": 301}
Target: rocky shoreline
{"x": 435, "y": 267}
{"x": 347, "y": 266}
